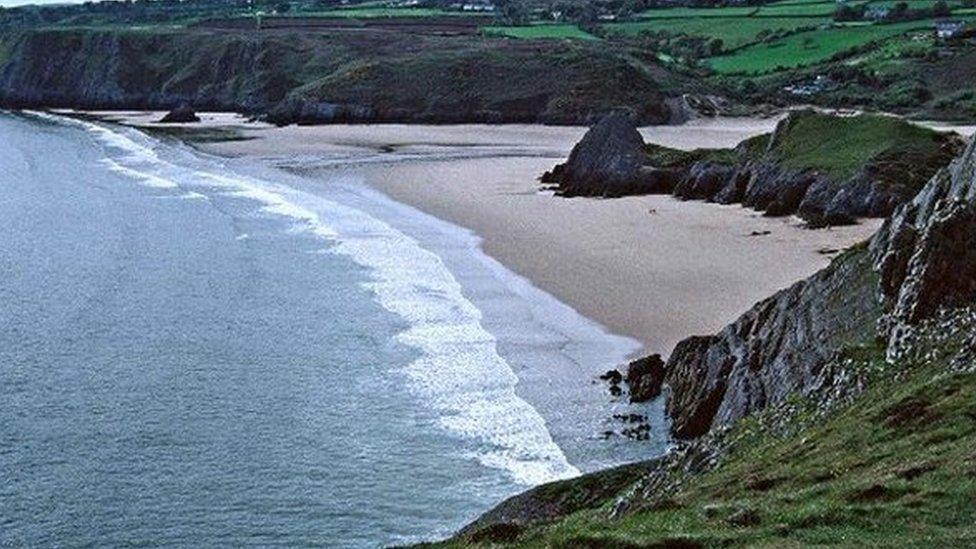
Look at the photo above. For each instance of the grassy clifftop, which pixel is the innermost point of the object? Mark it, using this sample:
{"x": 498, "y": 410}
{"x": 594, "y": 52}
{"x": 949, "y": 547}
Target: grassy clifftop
{"x": 841, "y": 145}
{"x": 890, "y": 462}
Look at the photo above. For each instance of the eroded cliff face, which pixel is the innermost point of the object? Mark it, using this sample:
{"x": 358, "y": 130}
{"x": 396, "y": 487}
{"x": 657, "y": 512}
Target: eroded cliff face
{"x": 922, "y": 261}
{"x": 319, "y": 77}
{"x": 89, "y": 69}
{"x": 774, "y": 350}
{"x": 926, "y": 253}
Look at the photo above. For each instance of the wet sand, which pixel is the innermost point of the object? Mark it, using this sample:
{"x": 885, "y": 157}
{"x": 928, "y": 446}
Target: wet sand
{"x": 653, "y": 268}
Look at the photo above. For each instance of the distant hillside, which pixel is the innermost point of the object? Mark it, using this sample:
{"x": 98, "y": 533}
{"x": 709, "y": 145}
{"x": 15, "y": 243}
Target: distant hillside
{"x": 360, "y": 75}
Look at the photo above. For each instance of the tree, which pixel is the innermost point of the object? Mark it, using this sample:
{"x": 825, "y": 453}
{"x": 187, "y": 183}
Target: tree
{"x": 941, "y": 9}
{"x": 283, "y": 7}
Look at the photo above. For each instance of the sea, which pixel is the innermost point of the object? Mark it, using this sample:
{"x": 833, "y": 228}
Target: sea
{"x": 202, "y": 351}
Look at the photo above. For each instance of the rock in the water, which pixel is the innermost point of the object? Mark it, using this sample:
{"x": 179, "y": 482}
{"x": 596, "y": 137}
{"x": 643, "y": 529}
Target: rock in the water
{"x": 180, "y": 115}
{"x": 610, "y": 161}
{"x": 645, "y": 377}
{"x": 613, "y": 377}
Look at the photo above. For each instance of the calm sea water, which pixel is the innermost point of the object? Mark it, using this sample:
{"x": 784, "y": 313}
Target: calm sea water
{"x": 193, "y": 356}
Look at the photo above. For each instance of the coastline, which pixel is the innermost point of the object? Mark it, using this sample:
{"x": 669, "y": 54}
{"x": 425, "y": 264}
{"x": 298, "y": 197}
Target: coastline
{"x": 651, "y": 268}
{"x": 555, "y": 352}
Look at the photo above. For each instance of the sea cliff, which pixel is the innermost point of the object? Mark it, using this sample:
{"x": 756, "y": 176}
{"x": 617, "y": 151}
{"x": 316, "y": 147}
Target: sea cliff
{"x": 360, "y": 75}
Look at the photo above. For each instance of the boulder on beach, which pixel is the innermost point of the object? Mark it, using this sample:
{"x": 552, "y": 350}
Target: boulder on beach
{"x": 180, "y": 115}
{"x": 610, "y": 161}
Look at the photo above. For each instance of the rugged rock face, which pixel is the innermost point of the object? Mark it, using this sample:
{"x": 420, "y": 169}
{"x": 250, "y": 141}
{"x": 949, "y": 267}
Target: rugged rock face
{"x": 923, "y": 260}
{"x": 776, "y": 348}
{"x": 763, "y": 173}
{"x": 926, "y": 253}
{"x": 610, "y": 161}
{"x": 180, "y": 115}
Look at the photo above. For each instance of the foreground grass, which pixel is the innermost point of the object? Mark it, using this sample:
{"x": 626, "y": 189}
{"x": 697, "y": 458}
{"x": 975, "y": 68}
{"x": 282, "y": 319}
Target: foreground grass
{"x": 896, "y": 468}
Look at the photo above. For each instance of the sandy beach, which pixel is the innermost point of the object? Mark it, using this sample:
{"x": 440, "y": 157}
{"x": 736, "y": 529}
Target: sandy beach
{"x": 653, "y": 268}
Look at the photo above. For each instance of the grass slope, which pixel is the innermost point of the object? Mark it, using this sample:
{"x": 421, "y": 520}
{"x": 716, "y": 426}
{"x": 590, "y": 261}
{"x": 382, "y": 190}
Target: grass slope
{"x": 842, "y": 145}
{"x": 893, "y": 467}
{"x": 540, "y": 31}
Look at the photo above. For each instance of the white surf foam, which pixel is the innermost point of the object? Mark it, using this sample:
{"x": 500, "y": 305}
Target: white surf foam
{"x": 459, "y": 372}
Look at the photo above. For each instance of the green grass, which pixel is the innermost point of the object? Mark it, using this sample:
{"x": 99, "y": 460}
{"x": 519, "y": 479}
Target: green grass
{"x": 540, "y": 31}
{"x": 800, "y": 9}
{"x": 807, "y": 48}
{"x": 734, "y": 32}
{"x": 840, "y": 146}
{"x": 895, "y": 469}
{"x": 371, "y": 13}
{"x": 696, "y": 13}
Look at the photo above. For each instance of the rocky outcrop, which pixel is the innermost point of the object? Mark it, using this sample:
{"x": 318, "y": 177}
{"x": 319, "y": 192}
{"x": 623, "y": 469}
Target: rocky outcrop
{"x": 180, "y": 115}
{"x": 775, "y": 349}
{"x": 610, "y": 161}
{"x": 645, "y": 377}
{"x": 926, "y": 253}
{"x": 922, "y": 262}
{"x": 760, "y": 173}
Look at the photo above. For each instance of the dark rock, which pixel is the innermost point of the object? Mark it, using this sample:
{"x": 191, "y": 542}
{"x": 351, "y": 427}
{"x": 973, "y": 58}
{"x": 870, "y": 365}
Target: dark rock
{"x": 704, "y": 180}
{"x": 631, "y": 418}
{"x": 613, "y": 377}
{"x": 645, "y": 377}
{"x": 180, "y": 115}
{"x": 926, "y": 253}
{"x": 616, "y": 391}
{"x": 610, "y": 161}
{"x": 504, "y": 532}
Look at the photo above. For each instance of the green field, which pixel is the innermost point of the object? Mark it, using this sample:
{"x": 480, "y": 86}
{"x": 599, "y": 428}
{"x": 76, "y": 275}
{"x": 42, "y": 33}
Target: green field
{"x": 734, "y": 32}
{"x": 370, "y": 13}
{"x": 808, "y": 48}
{"x": 540, "y": 31}
{"x": 696, "y": 13}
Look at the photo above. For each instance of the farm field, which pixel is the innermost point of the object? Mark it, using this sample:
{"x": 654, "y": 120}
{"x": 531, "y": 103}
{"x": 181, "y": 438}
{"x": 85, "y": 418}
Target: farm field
{"x": 734, "y": 33}
{"x": 540, "y": 31}
{"x": 807, "y": 48}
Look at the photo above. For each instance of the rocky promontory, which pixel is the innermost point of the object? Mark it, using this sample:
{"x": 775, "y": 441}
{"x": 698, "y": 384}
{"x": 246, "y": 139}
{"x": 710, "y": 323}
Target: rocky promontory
{"x": 829, "y": 170}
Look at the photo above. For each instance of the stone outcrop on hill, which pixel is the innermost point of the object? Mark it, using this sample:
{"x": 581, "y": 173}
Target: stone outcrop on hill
{"x": 775, "y": 349}
{"x": 926, "y": 253}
